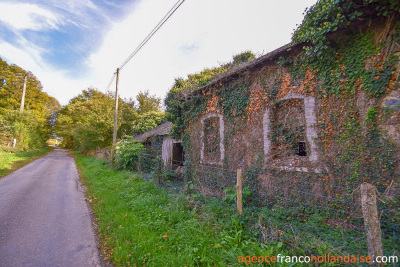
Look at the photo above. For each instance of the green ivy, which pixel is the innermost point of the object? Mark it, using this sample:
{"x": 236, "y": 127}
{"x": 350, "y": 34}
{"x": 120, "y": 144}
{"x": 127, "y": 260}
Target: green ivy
{"x": 347, "y": 58}
{"x": 243, "y": 57}
{"x": 181, "y": 111}
{"x": 345, "y": 68}
{"x": 327, "y": 16}
{"x": 234, "y": 99}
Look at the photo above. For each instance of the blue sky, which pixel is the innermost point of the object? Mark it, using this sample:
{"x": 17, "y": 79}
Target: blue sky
{"x": 71, "y": 45}
{"x": 65, "y": 31}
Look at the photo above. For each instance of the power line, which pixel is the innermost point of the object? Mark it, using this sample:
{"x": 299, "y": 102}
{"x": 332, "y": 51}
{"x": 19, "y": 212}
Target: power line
{"x": 145, "y": 40}
{"x": 156, "y": 28}
{"x": 111, "y": 80}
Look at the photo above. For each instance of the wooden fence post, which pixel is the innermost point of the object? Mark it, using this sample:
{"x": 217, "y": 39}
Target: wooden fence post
{"x": 371, "y": 220}
{"x": 239, "y": 191}
{"x": 139, "y": 163}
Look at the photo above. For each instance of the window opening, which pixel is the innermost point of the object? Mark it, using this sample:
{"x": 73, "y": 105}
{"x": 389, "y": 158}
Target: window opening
{"x": 302, "y": 149}
{"x": 212, "y": 150}
{"x": 288, "y": 129}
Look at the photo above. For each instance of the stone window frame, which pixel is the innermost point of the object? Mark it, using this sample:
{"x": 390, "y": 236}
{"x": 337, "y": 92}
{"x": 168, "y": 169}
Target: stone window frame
{"x": 311, "y": 120}
{"x": 221, "y": 137}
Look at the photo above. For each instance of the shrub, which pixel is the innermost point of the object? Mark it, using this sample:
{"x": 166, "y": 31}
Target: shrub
{"x": 128, "y": 152}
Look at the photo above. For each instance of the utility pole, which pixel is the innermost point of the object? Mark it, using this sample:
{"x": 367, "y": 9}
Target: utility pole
{"x": 23, "y": 95}
{"x": 115, "y": 120}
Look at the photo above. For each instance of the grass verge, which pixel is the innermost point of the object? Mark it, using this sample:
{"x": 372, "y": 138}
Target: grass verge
{"x": 15, "y": 159}
{"x": 140, "y": 224}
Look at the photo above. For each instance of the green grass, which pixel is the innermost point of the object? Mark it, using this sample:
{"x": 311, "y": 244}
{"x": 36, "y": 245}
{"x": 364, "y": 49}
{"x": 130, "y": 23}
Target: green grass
{"x": 140, "y": 224}
{"x": 15, "y": 159}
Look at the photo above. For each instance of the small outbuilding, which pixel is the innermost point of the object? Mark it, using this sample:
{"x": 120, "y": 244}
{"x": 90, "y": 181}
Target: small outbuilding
{"x": 158, "y": 140}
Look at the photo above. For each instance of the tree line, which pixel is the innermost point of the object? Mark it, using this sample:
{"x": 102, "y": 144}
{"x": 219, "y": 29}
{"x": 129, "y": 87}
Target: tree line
{"x": 33, "y": 126}
{"x": 85, "y": 123}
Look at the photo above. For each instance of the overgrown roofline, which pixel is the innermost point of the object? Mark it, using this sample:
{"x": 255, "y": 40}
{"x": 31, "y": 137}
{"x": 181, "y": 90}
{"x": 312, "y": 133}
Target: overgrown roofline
{"x": 266, "y": 59}
{"x": 321, "y": 21}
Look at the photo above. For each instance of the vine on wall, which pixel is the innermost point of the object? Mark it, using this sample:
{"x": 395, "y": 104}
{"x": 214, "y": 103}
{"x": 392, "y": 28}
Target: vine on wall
{"x": 337, "y": 69}
{"x": 349, "y": 73}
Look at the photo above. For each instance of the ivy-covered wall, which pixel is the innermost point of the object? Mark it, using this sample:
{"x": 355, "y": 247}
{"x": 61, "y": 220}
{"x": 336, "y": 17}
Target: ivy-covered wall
{"x": 352, "y": 84}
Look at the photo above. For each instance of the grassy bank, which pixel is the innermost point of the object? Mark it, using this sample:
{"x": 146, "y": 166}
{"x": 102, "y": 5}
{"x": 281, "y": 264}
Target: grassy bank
{"x": 15, "y": 159}
{"x": 140, "y": 224}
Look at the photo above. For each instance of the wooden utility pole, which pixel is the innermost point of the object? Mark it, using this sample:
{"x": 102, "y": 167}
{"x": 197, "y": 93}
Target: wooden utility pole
{"x": 239, "y": 184}
{"x": 371, "y": 220}
{"x": 115, "y": 119}
{"x": 23, "y": 95}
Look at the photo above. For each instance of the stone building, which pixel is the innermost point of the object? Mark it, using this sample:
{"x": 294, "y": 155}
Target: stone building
{"x": 284, "y": 118}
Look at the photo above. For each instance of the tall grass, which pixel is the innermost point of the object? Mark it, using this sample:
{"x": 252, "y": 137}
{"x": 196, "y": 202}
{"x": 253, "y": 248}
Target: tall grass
{"x": 14, "y": 159}
{"x": 140, "y": 224}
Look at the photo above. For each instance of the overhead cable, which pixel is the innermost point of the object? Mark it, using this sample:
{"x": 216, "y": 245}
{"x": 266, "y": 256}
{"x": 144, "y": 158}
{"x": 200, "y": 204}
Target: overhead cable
{"x": 111, "y": 80}
{"x": 156, "y": 28}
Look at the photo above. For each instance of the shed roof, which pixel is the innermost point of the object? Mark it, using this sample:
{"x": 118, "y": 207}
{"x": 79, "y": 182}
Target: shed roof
{"x": 162, "y": 129}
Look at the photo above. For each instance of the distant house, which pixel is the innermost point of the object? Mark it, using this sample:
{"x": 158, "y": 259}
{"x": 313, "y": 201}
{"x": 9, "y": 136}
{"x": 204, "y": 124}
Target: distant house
{"x": 158, "y": 141}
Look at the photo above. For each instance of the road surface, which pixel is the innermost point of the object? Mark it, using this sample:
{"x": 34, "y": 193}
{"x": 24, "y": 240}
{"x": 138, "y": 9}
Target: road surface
{"x": 44, "y": 219}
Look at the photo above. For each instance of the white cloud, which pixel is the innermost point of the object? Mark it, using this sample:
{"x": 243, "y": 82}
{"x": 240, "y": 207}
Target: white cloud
{"x": 78, "y": 12}
{"x": 18, "y": 56}
{"x": 23, "y": 16}
{"x": 45, "y": 18}
{"x": 200, "y": 34}
{"x": 53, "y": 81}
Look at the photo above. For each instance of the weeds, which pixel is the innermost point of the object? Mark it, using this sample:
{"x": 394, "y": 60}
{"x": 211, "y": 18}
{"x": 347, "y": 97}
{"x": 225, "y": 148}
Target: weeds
{"x": 140, "y": 224}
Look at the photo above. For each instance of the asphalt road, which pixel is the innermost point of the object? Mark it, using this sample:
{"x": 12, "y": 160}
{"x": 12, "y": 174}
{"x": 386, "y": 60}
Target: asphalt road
{"x": 44, "y": 219}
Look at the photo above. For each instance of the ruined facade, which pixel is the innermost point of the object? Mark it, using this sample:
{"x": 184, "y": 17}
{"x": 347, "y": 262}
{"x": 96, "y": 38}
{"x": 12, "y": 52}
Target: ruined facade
{"x": 283, "y": 119}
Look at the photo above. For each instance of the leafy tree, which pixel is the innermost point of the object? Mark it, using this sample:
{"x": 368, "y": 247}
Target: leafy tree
{"x": 147, "y": 121}
{"x": 26, "y": 128}
{"x": 32, "y": 127}
{"x": 5, "y": 133}
{"x": 182, "y": 87}
{"x": 149, "y": 113}
{"x": 148, "y": 103}
{"x": 11, "y": 84}
{"x": 87, "y": 121}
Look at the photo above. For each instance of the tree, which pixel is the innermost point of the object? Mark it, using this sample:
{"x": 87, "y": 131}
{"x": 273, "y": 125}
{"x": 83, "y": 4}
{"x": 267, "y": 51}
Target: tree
{"x": 150, "y": 114}
{"x": 147, "y": 121}
{"x": 87, "y": 121}
{"x": 11, "y": 83}
{"x": 39, "y": 107}
{"x": 25, "y": 127}
{"x": 148, "y": 103}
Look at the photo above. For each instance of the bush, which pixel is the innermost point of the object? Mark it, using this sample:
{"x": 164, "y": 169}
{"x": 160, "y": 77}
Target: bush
{"x": 25, "y": 127}
{"x": 128, "y": 153}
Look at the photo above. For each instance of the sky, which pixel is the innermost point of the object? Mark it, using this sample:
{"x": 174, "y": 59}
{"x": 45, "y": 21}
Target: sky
{"x": 72, "y": 45}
